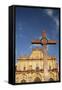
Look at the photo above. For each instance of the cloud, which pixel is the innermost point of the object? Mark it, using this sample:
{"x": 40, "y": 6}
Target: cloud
{"x": 20, "y": 31}
{"x": 50, "y": 12}
{"x": 57, "y": 22}
{"x": 30, "y": 47}
{"x": 20, "y": 26}
{"x": 40, "y": 37}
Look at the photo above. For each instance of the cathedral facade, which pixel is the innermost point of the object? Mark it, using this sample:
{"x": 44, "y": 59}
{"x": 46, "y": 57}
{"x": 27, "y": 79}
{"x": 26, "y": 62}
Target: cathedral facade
{"x": 31, "y": 68}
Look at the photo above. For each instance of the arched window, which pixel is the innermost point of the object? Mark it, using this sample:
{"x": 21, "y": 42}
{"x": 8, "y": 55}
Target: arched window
{"x": 51, "y": 79}
{"x": 37, "y": 79}
{"x": 23, "y": 81}
{"x": 24, "y": 68}
{"x": 37, "y": 68}
{"x": 49, "y": 67}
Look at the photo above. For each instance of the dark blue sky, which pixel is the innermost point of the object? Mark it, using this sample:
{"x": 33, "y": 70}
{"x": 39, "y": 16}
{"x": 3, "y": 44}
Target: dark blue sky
{"x": 30, "y": 23}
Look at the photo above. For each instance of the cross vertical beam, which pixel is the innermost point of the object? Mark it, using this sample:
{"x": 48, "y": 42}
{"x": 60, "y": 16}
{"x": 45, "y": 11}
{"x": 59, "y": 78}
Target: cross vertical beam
{"x": 44, "y": 42}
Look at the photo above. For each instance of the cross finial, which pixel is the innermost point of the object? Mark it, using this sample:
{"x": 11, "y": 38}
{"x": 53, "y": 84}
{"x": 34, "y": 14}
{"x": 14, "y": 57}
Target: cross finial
{"x": 43, "y": 34}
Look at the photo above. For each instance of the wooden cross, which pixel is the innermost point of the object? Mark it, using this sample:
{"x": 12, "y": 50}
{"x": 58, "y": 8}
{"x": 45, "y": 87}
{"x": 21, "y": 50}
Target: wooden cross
{"x": 44, "y": 42}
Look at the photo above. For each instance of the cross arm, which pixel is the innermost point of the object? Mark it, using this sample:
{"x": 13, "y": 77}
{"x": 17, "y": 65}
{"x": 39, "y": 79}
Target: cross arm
{"x": 51, "y": 42}
{"x": 36, "y": 42}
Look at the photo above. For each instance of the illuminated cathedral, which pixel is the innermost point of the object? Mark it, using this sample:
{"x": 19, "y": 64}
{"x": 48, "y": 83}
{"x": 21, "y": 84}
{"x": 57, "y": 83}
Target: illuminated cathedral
{"x": 38, "y": 66}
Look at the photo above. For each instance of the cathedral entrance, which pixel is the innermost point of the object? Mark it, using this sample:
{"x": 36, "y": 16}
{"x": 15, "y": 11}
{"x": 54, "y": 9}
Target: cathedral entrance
{"x": 51, "y": 79}
{"x": 37, "y": 79}
{"x": 23, "y": 81}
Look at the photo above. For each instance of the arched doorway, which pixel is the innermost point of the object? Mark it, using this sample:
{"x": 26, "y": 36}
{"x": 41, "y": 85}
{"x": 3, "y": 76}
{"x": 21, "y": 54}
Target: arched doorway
{"x": 37, "y": 79}
{"x": 23, "y": 81}
{"x": 51, "y": 79}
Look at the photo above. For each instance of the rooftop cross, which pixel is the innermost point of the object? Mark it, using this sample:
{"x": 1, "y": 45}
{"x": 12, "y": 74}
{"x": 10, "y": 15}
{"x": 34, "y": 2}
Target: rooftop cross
{"x": 44, "y": 40}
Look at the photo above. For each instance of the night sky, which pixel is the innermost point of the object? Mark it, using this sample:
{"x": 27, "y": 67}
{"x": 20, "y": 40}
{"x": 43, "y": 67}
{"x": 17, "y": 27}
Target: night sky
{"x": 30, "y": 23}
